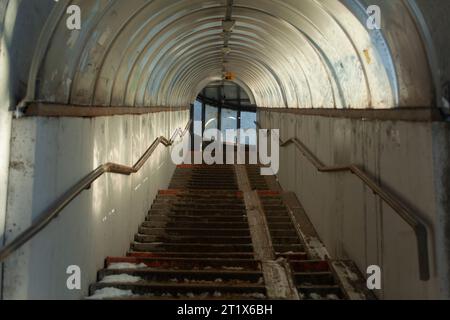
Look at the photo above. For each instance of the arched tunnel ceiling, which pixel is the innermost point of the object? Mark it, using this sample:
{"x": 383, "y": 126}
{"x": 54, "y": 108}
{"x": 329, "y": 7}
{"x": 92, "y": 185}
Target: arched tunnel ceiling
{"x": 287, "y": 53}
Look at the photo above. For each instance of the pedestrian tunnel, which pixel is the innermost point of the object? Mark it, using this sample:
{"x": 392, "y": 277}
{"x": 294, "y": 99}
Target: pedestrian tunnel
{"x": 355, "y": 88}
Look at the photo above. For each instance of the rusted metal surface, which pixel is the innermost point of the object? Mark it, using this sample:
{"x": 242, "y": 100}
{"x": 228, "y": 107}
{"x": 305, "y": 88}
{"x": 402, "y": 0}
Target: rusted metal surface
{"x": 85, "y": 183}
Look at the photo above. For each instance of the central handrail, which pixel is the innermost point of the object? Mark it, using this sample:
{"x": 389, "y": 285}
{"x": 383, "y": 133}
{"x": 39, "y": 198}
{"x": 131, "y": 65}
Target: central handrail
{"x": 413, "y": 220}
{"x": 84, "y": 184}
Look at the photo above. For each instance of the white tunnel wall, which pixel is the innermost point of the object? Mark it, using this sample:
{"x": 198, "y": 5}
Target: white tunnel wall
{"x": 353, "y": 222}
{"x": 18, "y": 20}
{"x": 48, "y": 156}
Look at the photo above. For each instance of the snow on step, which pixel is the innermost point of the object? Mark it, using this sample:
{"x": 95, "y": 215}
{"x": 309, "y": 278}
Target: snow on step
{"x": 111, "y": 293}
{"x": 126, "y": 265}
{"x": 121, "y": 278}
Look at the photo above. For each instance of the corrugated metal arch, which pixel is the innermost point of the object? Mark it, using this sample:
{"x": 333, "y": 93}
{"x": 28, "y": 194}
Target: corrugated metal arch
{"x": 285, "y": 53}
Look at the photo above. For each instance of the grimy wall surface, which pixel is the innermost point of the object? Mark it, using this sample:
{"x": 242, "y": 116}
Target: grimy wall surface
{"x": 353, "y": 222}
{"x": 49, "y": 155}
{"x": 19, "y": 20}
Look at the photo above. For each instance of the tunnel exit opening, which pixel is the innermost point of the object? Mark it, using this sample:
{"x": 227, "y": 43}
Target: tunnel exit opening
{"x": 223, "y": 105}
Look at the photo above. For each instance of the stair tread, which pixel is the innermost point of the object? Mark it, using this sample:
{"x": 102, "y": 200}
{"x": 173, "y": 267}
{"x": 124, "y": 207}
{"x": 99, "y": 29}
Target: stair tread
{"x": 218, "y": 254}
{"x": 168, "y": 284}
{"x": 195, "y": 244}
{"x": 314, "y": 286}
{"x": 198, "y": 229}
{"x": 222, "y": 297}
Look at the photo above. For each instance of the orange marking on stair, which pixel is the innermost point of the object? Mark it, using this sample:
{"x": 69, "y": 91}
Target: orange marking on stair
{"x": 192, "y": 166}
{"x": 110, "y": 260}
{"x": 144, "y": 255}
{"x": 296, "y": 256}
{"x": 268, "y": 193}
{"x": 185, "y": 166}
{"x": 172, "y": 192}
{"x": 311, "y": 266}
{"x": 202, "y": 166}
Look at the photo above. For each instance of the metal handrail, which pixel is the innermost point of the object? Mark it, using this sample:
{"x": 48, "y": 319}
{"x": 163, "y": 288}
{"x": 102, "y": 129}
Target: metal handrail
{"x": 84, "y": 184}
{"x": 413, "y": 220}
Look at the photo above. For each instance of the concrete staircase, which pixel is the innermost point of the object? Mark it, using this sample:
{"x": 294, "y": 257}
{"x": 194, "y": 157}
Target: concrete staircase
{"x": 197, "y": 243}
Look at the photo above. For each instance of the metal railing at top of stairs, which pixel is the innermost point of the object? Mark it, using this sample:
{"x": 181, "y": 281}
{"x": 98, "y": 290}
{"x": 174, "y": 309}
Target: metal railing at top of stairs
{"x": 417, "y": 224}
{"x": 84, "y": 184}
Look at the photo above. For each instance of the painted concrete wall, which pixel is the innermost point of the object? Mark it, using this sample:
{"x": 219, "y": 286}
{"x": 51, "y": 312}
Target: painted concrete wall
{"x": 18, "y": 19}
{"x": 48, "y": 155}
{"x": 351, "y": 221}
{"x": 441, "y": 157}
{"x": 5, "y": 133}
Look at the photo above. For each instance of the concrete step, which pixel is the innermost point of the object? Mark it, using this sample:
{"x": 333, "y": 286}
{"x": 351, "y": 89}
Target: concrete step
{"x": 280, "y": 225}
{"x": 309, "y": 266}
{"x": 200, "y": 206}
{"x": 202, "y": 180}
{"x": 169, "y": 218}
{"x": 205, "y": 179}
{"x": 206, "y": 194}
{"x": 242, "y": 262}
{"x": 231, "y": 199}
{"x": 196, "y": 239}
{"x": 288, "y": 248}
{"x": 277, "y": 212}
{"x": 194, "y": 231}
{"x": 276, "y": 233}
{"x": 187, "y": 276}
{"x": 193, "y": 255}
{"x": 204, "y": 297}
{"x": 202, "y": 187}
{"x": 272, "y": 202}
{"x": 314, "y": 278}
{"x": 286, "y": 240}
{"x": 195, "y": 225}
{"x": 271, "y": 207}
{"x": 206, "y": 201}
{"x": 197, "y": 213}
{"x": 295, "y": 256}
{"x": 191, "y": 289}
{"x": 190, "y": 247}
{"x": 274, "y": 214}
{"x": 204, "y": 218}
{"x": 278, "y": 219}
{"x": 320, "y": 292}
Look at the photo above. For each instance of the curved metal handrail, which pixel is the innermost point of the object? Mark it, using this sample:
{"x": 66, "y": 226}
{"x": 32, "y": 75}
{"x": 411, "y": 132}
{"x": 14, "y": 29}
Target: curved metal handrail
{"x": 413, "y": 220}
{"x": 84, "y": 184}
